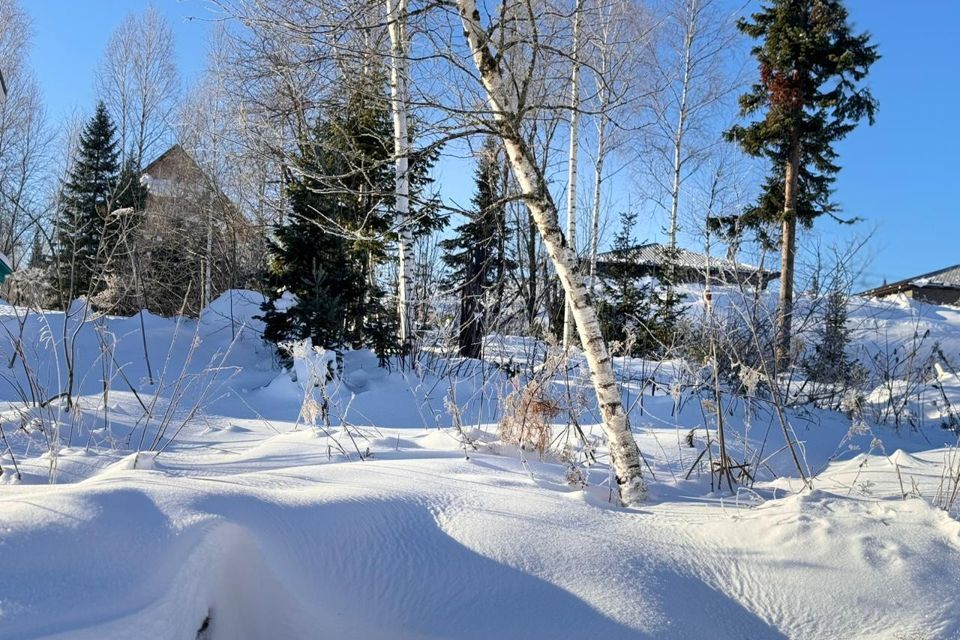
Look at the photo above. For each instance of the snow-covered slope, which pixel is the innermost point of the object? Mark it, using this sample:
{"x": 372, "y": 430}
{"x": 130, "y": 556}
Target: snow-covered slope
{"x": 249, "y": 523}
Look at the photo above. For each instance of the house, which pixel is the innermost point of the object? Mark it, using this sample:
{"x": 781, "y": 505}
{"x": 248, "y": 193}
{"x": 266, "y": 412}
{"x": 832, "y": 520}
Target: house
{"x": 936, "y": 287}
{"x": 175, "y": 175}
{"x": 690, "y": 267}
{"x": 192, "y": 243}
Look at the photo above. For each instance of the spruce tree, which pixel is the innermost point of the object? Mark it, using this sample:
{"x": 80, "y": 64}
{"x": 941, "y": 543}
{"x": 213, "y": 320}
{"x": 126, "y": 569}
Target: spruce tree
{"x": 330, "y": 250}
{"x": 130, "y": 192}
{"x": 87, "y": 204}
{"x": 829, "y": 361}
{"x": 624, "y": 308}
{"x": 476, "y": 256}
{"x": 809, "y": 96}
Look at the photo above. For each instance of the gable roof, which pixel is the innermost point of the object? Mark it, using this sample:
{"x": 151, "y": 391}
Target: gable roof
{"x": 947, "y": 278}
{"x": 654, "y": 254}
{"x": 184, "y": 159}
{"x": 176, "y": 149}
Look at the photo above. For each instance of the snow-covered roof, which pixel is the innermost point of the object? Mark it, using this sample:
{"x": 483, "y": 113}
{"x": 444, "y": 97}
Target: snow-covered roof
{"x": 654, "y": 254}
{"x": 947, "y": 278}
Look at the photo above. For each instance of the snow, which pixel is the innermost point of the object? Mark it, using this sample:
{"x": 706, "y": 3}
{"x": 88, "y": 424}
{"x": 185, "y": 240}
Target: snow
{"x": 252, "y": 517}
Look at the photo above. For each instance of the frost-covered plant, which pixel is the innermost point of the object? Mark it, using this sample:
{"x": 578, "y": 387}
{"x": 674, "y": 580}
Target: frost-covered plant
{"x": 527, "y": 414}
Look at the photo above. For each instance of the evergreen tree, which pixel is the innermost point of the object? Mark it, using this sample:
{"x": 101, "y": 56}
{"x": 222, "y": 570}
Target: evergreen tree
{"x": 809, "y": 94}
{"x": 87, "y": 204}
{"x": 130, "y": 192}
{"x": 624, "y": 307}
{"x": 665, "y": 305}
{"x": 329, "y": 252}
{"x": 829, "y": 361}
{"x": 476, "y": 256}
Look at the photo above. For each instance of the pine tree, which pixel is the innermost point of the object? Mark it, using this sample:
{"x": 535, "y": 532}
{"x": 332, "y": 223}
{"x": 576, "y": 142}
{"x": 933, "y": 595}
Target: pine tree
{"x": 809, "y": 94}
{"x": 476, "y": 255}
{"x": 87, "y": 203}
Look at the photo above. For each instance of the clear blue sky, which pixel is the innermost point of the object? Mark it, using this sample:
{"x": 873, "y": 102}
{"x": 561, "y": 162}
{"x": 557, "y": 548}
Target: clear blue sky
{"x": 898, "y": 175}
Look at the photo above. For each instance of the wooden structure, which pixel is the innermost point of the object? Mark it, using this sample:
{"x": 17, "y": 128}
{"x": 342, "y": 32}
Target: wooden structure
{"x": 937, "y": 287}
{"x": 690, "y": 267}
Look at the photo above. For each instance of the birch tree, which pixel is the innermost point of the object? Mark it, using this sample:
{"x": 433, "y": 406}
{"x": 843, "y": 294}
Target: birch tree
{"x": 625, "y": 456}
{"x": 25, "y": 139}
{"x": 574, "y": 142}
{"x": 138, "y": 81}
{"x": 691, "y": 63}
{"x": 615, "y": 62}
{"x": 399, "y": 100}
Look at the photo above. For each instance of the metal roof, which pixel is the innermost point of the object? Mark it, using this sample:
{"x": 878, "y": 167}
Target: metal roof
{"x": 947, "y": 278}
{"x": 654, "y": 254}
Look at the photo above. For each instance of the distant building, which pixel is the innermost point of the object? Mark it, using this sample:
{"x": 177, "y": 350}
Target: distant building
{"x": 651, "y": 260}
{"x": 936, "y": 287}
{"x": 176, "y": 176}
{"x": 193, "y": 241}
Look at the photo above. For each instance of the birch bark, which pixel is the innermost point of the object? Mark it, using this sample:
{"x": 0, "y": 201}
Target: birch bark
{"x": 399, "y": 101}
{"x": 624, "y": 454}
{"x": 569, "y": 326}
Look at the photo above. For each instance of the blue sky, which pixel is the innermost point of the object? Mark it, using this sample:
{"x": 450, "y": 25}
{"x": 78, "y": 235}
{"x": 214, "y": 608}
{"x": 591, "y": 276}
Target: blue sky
{"x": 896, "y": 175}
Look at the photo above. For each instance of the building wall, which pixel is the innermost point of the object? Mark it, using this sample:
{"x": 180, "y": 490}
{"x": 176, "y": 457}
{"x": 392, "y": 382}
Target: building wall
{"x": 935, "y": 295}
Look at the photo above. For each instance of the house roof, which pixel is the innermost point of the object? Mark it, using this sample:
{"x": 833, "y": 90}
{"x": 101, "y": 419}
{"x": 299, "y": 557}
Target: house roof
{"x": 654, "y": 254}
{"x": 176, "y": 149}
{"x": 178, "y": 153}
{"x": 947, "y": 278}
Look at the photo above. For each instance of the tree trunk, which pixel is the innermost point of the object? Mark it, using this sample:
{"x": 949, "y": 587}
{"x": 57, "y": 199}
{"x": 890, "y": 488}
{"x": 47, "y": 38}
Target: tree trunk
{"x": 533, "y": 291}
{"x": 208, "y": 271}
{"x": 788, "y": 249}
{"x": 624, "y": 454}
{"x": 598, "y": 182}
{"x": 568, "y": 323}
{"x": 396, "y": 25}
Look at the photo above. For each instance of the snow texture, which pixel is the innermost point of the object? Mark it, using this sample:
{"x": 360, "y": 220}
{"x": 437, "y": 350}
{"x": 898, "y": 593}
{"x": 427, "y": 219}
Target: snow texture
{"x": 248, "y": 515}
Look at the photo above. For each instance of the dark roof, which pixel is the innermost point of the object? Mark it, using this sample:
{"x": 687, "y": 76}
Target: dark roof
{"x": 654, "y": 254}
{"x": 175, "y": 149}
{"x": 948, "y": 278}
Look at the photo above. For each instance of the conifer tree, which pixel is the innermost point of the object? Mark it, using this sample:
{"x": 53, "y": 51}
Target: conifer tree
{"x": 829, "y": 361}
{"x": 476, "y": 255}
{"x": 87, "y": 204}
{"x": 130, "y": 192}
{"x": 329, "y": 252}
{"x": 809, "y": 96}
{"x": 624, "y": 305}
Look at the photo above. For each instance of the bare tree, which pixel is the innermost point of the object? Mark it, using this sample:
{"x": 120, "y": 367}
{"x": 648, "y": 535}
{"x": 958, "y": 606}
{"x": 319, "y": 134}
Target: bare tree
{"x": 616, "y": 62}
{"x": 691, "y": 63}
{"x": 138, "y": 81}
{"x": 25, "y": 139}
{"x": 399, "y": 99}
{"x": 572, "y": 156}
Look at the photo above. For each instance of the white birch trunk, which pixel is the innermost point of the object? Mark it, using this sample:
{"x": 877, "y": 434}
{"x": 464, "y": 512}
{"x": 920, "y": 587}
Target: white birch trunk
{"x": 568, "y": 324}
{"x": 602, "y": 100}
{"x": 396, "y": 25}
{"x": 597, "y": 196}
{"x": 691, "y": 30}
{"x": 624, "y": 454}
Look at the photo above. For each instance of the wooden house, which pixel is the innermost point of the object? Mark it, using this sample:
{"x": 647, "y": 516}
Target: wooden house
{"x": 937, "y": 287}
{"x": 690, "y": 267}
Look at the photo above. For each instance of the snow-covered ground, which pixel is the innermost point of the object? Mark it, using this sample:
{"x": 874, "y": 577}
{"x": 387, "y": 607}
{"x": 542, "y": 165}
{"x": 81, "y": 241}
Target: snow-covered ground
{"x": 226, "y": 514}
